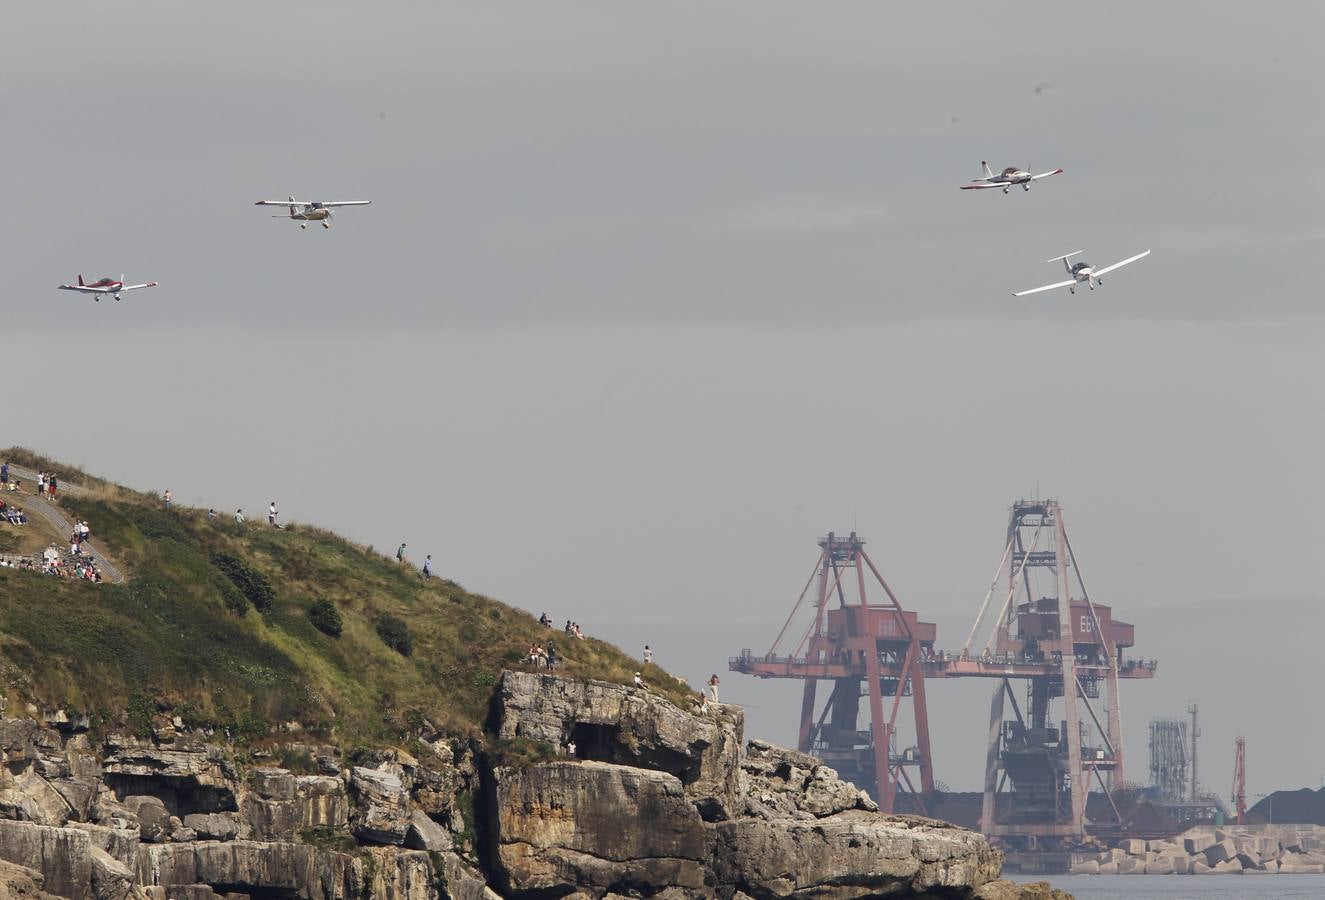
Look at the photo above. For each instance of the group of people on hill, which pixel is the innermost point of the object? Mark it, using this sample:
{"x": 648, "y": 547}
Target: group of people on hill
{"x": 47, "y": 485}
{"x": 12, "y": 514}
{"x": 51, "y": 562}
{"x": 425, "y": 572}
{"x": 81, "y": 534}
{"x": 543, "y": 658}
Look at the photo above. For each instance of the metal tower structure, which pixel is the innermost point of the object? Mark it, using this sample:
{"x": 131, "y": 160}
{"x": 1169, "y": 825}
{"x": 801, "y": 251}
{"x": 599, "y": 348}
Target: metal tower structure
{"x": 1196, "y": 732}
{"x": 865, "y": 648}
{"x": 1168, "y": 758}
{"x": 1067, "y": 650}
{"x": 1240, "y": 779}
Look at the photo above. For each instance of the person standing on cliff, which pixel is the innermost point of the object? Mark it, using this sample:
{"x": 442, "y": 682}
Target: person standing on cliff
{"x": 167, "y": 496}
{"x": 648, "y": 654}
{"x": 271, "y": 515}
{"x": 427, "y": 566}
{"x": 400, "y": 553}
{"x": 713, "y": 686}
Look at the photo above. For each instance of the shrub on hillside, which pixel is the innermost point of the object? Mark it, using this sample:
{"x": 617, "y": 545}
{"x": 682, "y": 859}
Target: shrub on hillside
{"x": 325, "y": 617}
{"x": 234, "y": 601}
{"x": 395, "y": 634}
{"x": 251, "y": 583}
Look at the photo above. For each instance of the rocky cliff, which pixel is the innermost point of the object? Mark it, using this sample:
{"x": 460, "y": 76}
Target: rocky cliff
{"x": 654, "y": 802}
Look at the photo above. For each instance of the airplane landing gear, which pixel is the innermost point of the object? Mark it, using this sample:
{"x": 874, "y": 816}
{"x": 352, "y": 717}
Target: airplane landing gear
{"x": 1005, "y": 190}
{"x": 1025, "y": 187}
{"x": 303, "y": 225}
{"x": 326, "y": 224}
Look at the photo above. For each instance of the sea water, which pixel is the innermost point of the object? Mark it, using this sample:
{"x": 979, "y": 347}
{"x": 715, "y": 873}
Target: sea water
{"x": 1188, "y": 887}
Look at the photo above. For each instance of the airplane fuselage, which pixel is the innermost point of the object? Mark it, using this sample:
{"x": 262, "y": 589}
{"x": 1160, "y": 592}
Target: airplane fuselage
{"x": 311, "y": 214}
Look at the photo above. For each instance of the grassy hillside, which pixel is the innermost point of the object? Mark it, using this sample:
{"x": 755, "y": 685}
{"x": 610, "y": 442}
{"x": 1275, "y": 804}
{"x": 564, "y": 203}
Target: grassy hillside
{"x": 183, "y": 634}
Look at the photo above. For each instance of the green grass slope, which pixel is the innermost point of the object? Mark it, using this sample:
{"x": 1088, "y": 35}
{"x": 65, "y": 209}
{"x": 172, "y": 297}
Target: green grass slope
{"x": 181, "y": 636}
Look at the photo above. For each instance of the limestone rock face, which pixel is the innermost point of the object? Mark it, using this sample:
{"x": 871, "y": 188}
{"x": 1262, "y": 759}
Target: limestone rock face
{"x": 782, "y": 782}
{"x": 187, "y": 776}
{"x": 252, "y": 867}
{"x": 852, "y": 854}
{"x": 629, "y": 726}
{"x": 62, "y": 855}
{"x": 19, "y": 883}
{"x": 383, "y": 815}
{"x": 601, "y": 826}
{"x": 278, "y": 804}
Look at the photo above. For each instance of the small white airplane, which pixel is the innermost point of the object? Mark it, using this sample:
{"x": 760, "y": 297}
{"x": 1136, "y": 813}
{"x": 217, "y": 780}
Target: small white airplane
{"x": 1082, "y": 273}
{"x": 1006, "y": 179}
{"x": 310, "y": 211}
{"x": 106, "y": 285}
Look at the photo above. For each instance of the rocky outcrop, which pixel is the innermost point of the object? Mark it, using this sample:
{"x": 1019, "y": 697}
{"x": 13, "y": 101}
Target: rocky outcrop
{"x": 601, "y": 826}
{"x": 632, "y": 727}
{"x": 19, "y": 883}
{"x": 383, "y": 815}
{"x": 653, "y": 802}
{"x": 62, "y": 855}
{"x": 297, "y": 870}
{"x": 853, "y": 854}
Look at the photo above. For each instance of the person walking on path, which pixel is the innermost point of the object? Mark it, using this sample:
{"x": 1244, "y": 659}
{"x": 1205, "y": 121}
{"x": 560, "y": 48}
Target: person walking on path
{"x": 400, "y": 553}
{"x": 713, "y": 686}
{"x": 427, "y": 566}
{"x": 271, "y": 515}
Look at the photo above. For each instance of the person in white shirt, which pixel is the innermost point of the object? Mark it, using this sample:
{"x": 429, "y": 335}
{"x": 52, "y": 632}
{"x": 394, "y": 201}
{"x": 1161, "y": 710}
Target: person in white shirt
{"x": 648, "y": 654}
{"x": 239, "y": 516}
{"x": 271, "y": 514}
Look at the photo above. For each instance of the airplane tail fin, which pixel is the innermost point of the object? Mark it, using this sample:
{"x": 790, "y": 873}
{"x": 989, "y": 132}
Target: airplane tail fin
{"x": 989, "y": 173}
{"x": 80, "y": 280}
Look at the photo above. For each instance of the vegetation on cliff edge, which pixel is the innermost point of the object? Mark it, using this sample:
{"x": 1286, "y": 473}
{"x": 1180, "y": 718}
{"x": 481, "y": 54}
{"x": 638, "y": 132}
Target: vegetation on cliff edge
{"x": 188, "y": 633}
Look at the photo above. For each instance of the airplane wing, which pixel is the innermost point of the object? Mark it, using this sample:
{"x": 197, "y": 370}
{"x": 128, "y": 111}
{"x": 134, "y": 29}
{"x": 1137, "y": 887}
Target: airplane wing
{"x": 1046, "y": 174}
{"x": 979, "y": 186}
{"x": 348, "y": 203}
{"x": 134, "y": 287}
{"x": 281, "y": 203}
{"x": 1118, "y": 265}
{"x": 83, "y": 288}
{"x": 1047, "y": 287}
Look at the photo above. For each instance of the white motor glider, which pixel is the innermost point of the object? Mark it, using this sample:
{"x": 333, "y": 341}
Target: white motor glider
{"x": 310, "y": 211}
{"x": 1006, "y": 179}
{"x": 106, "y": 285}
{"x": 1082, "y": 273}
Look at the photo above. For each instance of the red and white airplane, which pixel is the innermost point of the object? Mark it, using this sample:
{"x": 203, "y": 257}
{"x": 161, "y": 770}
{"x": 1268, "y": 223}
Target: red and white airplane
{"x": 1006, "y": 179}
{"x": 106, "y": 285}
{"x": 310, "y": 212}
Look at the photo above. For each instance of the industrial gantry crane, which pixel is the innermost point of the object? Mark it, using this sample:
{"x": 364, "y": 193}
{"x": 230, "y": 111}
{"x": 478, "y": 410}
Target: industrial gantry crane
{"x": 1067, "y": 651}
{"x": 872, "y": 649}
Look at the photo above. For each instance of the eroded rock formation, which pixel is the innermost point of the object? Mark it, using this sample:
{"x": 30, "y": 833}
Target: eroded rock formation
{"x": 656, "y": 802}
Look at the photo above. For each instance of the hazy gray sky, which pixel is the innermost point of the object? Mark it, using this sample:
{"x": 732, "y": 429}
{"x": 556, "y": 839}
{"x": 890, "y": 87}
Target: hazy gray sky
{"x": 651, "y": 296}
